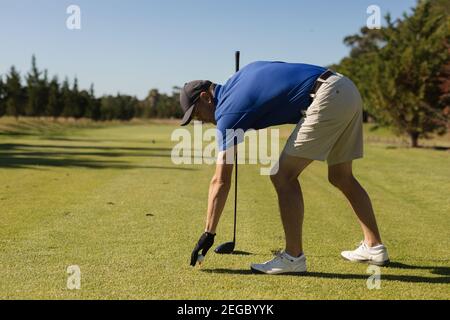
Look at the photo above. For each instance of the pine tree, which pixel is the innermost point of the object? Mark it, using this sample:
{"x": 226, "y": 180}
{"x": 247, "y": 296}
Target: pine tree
{"x": 54, "y": 105}
{"x": 14, "y": 94}
{"x": 150, "y": 105}
{"x": 77, "y": 105}
{"x": 93, "y": 106}
{"x": 32, "y": 80}
{"x": 43, "y": 94}
{"x": 66, "y": 99}
{"x": 2, "y": 97}
{"x": 83, "y": 103}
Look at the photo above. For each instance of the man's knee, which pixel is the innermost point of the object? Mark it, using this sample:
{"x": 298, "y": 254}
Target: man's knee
{"x": 341, "y": 180}
{"x": 288, "y": 170}
{"x": 282, "y": 179}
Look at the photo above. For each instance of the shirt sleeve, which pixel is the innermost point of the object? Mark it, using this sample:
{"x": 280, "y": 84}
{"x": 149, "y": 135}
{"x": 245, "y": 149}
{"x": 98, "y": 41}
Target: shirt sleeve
{"x": 231, "y": 128}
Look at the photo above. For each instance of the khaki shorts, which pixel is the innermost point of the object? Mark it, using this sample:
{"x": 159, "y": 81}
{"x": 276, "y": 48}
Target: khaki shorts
{"x": 331, "y": 128}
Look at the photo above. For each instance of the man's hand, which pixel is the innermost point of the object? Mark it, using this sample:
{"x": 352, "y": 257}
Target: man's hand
{"x": 204, "y": 243}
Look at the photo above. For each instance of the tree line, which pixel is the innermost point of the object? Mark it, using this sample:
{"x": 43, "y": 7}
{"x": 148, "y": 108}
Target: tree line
{"x": 36, "y": 95}
{"x": 403, "y": 70}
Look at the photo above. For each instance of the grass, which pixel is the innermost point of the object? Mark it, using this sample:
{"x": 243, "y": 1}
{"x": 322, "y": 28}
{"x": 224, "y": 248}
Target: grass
{"x": 106, "y": 197}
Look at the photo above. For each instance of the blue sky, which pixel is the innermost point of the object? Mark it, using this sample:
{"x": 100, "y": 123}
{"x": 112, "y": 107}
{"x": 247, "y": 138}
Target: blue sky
{"x": 132, "y": 46}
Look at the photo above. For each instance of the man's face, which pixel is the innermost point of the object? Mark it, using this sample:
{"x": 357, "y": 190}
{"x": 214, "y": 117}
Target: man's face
{"x": 204, "y": 108}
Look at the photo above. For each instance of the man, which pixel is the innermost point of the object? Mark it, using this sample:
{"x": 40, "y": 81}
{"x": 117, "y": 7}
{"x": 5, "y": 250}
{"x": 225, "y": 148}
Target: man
{"x": 327, "y": 109}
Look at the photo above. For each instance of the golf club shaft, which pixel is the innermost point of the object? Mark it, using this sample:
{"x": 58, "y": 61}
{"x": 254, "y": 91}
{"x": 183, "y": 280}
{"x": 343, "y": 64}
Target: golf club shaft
{"x": 237, "y": 56}
{"x": 235, "y": 193}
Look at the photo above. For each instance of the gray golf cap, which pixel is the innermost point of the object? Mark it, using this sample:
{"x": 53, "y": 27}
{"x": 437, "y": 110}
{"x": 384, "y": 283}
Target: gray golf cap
{"x": 189, "y": 96}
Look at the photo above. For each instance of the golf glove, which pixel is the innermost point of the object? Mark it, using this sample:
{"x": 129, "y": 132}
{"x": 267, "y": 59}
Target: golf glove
{"x": 204, "y": 243}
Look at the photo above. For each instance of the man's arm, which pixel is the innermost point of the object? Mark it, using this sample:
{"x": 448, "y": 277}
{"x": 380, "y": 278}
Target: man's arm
{"x": 219, "y": 188}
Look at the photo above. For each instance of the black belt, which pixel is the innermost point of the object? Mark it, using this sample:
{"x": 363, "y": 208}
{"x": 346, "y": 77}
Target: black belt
{"x": 321, "y": 79}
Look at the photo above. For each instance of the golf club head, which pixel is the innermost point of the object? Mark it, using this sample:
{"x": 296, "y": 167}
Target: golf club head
{"x": 225, "y": 248}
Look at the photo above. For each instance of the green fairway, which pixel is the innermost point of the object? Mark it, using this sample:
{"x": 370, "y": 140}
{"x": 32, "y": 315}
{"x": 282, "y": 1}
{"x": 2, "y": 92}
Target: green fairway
{"x": 108, "y": 198}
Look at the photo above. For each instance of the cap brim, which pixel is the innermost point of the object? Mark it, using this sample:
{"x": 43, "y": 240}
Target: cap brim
{"x": 187, "y": 116}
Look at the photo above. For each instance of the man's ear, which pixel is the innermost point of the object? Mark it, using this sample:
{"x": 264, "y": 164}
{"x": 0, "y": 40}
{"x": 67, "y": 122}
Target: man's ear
{"x": 205, "y": 96}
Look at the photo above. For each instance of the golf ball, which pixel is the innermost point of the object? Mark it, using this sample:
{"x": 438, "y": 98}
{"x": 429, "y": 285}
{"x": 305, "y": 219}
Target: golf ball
{"x": 200, "y": 258}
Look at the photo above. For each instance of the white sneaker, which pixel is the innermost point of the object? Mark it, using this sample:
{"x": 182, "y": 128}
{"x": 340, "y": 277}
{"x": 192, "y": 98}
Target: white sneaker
{"x": 377, "y": 255}
{"x": 282, "y": 263}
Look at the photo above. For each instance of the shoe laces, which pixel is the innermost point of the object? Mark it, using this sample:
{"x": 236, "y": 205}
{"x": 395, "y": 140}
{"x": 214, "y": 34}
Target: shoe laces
{"x": 362, "y": 247}
{"x": 362, "y": 244}
{"x": 278, "y": 255}
{"x": 282, "y": 255}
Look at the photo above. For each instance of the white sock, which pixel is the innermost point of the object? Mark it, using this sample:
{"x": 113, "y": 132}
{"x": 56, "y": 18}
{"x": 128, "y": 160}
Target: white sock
{"x": 293, "y": 258}
{"x": 378, "y": 246}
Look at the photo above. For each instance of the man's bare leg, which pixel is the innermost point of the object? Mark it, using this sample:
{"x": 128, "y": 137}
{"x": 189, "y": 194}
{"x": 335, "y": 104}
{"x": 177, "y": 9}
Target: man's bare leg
{"x": 290, "y": 200}
{"x": 341, "y": 176}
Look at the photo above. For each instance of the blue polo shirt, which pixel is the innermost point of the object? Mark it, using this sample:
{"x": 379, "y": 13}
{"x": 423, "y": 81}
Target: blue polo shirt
{"x": 263, "y": 94}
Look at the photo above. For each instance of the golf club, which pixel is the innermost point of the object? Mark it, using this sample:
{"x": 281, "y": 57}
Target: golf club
{"x": 228, "y": 247}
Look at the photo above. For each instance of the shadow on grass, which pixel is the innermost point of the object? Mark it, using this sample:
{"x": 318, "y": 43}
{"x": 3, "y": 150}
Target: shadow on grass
{"x": 445, "y": 271}
{"x": 30, "y": 162}
{"x": 26, "y": 147}
{"x": 396, "y": 143}
{"x": 16, "y": 133}
{"x": 390, "y": 277}
{"x": 93, "y": 140}
{"x": 14, "y": 155}
{"x": 437, "y": 148}
{"x": 241, "y": 253}
{"x": 440, "y": 148}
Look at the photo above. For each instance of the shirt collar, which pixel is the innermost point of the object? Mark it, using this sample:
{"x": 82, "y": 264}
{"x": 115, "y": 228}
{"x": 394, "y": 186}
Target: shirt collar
{"x": 216, "y": 94}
